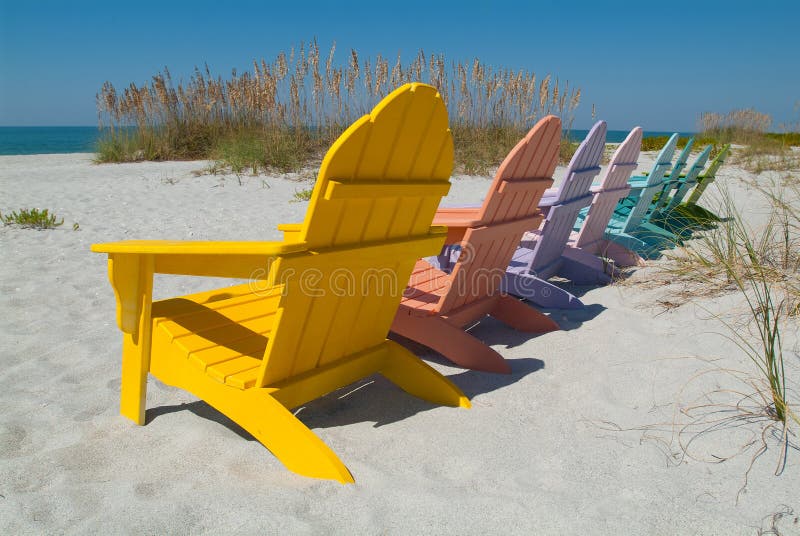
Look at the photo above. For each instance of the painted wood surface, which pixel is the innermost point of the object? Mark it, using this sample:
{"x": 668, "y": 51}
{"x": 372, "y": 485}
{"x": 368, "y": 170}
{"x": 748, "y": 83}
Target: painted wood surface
{"x": 651, "y": 184}
{"x": 690, "y": 180}
{"x": 317, "y": 311}
{"x": 673, "y": 180}
{"x": 540, "y": 254}
{"x": 709, "y": 176}
{"x": 437, "y": 305}
{"x": 614, "y": 186}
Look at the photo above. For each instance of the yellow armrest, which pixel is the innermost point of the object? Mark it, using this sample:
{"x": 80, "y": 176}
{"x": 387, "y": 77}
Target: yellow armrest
{"x": 290, "y": 227}
{"x": 291, "y": 232}
{"x": 178, "y": 247}
{"x": 240, "y": 260}
{"x": 132, "y": 263}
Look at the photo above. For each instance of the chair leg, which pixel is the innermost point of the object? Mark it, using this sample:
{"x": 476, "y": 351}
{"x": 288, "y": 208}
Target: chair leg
{"x": 291, "y": 441}
{"x": 541, "y": 292}
{"x": 258, "y": 412}
{"x": 583, "y": 268}
{"x": 632, "y": 243}
{"x": 133, "y": 385}
{"x": 522, "y": 316}
{"x": 136, "y": 344}
{"x": 417, "y": 378}
{"x": 653, "y": 234}
{"x": 621, "y": 255}
{"x": 451, "y": 341}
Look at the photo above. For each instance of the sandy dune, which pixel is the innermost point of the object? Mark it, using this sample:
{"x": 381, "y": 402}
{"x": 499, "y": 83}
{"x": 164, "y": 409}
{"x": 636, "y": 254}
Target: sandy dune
{"x": 578, "y": 440}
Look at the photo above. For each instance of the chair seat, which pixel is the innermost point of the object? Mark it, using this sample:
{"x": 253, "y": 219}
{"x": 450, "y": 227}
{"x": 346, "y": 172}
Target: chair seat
{"x": 224, "y": 333}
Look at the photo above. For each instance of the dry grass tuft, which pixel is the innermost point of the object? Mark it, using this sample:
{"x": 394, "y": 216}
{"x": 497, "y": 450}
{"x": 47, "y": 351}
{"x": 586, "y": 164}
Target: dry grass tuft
{"x": 762, "y": 151}
{"x": 298, "y": 103}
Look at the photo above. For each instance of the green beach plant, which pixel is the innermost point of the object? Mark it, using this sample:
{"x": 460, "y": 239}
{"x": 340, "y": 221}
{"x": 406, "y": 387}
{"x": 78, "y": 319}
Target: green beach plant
{"x": 754, "y": 407}
{"x": 32, "y": 218}
{"x": 763, "y": 266}
{"x": 762, "y": 150}
{"x": 302, "y": 195}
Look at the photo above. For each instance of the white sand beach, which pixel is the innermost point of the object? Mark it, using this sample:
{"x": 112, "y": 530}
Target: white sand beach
{"x": 583, "y": 438}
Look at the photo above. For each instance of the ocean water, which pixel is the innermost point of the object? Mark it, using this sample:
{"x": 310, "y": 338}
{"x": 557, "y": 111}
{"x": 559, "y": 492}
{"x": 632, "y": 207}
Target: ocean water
{"x": 45, "y": 140}
{"x": 618, "y": 136}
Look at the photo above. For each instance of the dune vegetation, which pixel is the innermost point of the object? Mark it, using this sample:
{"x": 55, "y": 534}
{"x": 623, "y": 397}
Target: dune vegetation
{"x": 283, "y": 114}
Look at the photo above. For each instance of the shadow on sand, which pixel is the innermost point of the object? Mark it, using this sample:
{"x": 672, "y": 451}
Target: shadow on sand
{"x": 374, "y": 399}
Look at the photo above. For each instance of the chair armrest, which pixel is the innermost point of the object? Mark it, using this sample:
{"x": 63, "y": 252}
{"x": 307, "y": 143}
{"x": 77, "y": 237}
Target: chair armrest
{"x": 132, "y": 263}
{"x": 547, "y": 202}
{"x": 291, "y": 231}
{"x": 637, "y": 182}
{"x": 241, "y": 260}
{"x": 550, "y": 192}
{"x": 183, "y": 247}
{"x": 457, "y": 220}
{"x": 458, "y": 217}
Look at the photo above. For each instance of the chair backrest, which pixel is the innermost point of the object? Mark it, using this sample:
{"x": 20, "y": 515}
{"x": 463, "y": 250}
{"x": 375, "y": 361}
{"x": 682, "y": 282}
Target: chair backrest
{"x": 688, "y": 182}
{"x": 674, "y": 178}
{"x": 581, "y": 169}
{"x": 530, "y": 161}
{"x": 623, "y": 163}
{"x": 663, "y": 163}
{"x": 510, "y": 209}
{"x": 680, "y": 163}
{"x": 368, "y": 221}
{"x": 715, "y": 164}
{"x": 612, "y": 187}
{"x": 574, "y": 194}
{"x": 710, "y": 174}
{"x": 652, "y": 185}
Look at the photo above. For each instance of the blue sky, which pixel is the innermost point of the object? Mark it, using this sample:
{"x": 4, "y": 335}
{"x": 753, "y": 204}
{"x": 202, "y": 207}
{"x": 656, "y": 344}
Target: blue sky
{"x": 657, "y": 64}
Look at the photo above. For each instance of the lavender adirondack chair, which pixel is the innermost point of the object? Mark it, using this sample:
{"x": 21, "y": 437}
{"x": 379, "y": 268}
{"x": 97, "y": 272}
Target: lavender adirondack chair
{"x": 590, "y": 235}
{"x": 543, "y": 252}
{"x": 624, "y": 229}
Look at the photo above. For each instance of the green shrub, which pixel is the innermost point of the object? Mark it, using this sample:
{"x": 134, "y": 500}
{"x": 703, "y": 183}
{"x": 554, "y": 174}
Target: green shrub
{"x": 302, "y": 195}
{"x": 32, "y": 218}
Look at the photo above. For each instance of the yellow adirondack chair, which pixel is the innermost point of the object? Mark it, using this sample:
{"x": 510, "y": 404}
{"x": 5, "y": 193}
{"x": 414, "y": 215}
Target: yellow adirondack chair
{"x": 319, "y": 306}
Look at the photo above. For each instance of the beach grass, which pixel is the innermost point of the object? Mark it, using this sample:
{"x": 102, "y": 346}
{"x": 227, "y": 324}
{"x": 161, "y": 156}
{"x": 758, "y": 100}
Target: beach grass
{"x": 763, "y": 266}
{"x": 32, "y": 218}
{"x": 284, "y": 113}
{"x": 302, "y": 195}
{"x": 655, "y": 143}
{"x": 761, "y": 150}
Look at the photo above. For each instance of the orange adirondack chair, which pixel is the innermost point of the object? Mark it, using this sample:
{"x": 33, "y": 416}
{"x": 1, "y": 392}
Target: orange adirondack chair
{"x": 436, "y": 306}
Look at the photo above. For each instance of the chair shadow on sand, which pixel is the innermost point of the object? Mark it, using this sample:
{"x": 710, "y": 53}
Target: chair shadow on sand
{"x": 374, "y": 399}
{"x": 383, "y": 402}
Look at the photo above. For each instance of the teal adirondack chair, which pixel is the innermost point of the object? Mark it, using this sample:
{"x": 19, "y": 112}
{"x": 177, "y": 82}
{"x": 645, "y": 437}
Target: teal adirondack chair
{"x": 677, "y": 228}
{"x": 624, "y": 228}
{"x": 672, "y": 181}
{"x": 708, "y": 177}
{"x": 689, "y": 181}
{"x": 690, "y": 211}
